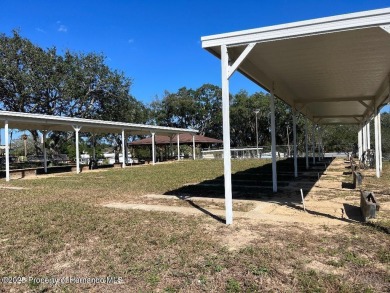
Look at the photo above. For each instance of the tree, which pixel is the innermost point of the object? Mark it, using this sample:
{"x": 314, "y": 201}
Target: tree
{"x": 187, "y": 108}
{"x": 34, "y": 80}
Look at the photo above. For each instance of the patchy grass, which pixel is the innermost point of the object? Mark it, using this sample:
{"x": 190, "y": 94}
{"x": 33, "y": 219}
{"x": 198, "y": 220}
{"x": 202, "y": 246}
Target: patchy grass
{"x": 57, "y": 228}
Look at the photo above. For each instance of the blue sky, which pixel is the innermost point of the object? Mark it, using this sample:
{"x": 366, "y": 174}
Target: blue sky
{"x": 157, "y": 43}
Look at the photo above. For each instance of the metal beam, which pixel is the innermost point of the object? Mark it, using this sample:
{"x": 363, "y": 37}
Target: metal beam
{"x": 368, "y": 136}
{"x": 295, "y": 143}
{"x": 178, "y": 146}
{"x": 367, "y": 106}
{"x": 360, "y": 142}
{"x": 377, "y": 151}
{"x": 127, "y": 147}
{"x": 336, "y": 116}
{"x": 314, "y": 143}
{"x": 77, "y": 129}
{"x": 306, "y": 145}
{"x": 153, "y": 149}
{"x": 44, "y": 133}
{"x": 123, "y": 149}
{"x": 332, "y": 100}
{"x": 380, "y": 141}
{"x": 244, "y": 54}
{"x": 273, "y": 143}
{"x": 359, "y": 20}
{"x": 226, "y": 135}
{"x": 6, "y": 144}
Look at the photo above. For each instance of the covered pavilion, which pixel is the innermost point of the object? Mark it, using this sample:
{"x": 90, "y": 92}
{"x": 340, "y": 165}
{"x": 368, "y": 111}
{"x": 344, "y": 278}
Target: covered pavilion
{"x": 333, "y": 70}
{"x": 184, "y": 138}
{"x": 47, "y": 123}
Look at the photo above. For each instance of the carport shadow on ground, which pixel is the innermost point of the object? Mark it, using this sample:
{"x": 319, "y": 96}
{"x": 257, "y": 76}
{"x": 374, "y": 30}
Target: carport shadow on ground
{"x": 256, "y": 184}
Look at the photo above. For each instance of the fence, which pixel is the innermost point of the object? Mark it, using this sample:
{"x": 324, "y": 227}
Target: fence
{"x": 262, "y": 152}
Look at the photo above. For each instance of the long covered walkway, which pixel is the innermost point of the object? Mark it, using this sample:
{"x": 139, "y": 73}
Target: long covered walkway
{"x": 333, "y": 70}
{"x": 45, "y": 123}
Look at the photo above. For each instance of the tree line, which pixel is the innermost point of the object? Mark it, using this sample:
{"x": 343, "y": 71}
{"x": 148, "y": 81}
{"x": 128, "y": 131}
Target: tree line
{"x": 42, "y": 81}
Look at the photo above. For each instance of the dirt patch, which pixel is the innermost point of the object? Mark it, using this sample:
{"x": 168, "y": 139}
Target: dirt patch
{"x": 325, "y": 204}
{"x": 12, "y": 187}
{"x": 323, "y": 268}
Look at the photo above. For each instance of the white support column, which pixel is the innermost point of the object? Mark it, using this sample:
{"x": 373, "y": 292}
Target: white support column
{"x": 123, "y": 149}
{"x": 295, "y": 143}
{"x": 377, "y": 152}
{"x": 380, "y": 142}
{"x": 364, "y": 138}
{"x": 44, "y": 133}
{"x": 178, "y": 146}
{"x": 273, "y": 143}
{"x": 321, "y": 143}
{"x": 193, "y": 147}
{"x": 126, "y": 147}
{"x": 171, "y": 146}
{"x": 314, "y": 143}
{"x": 77, "y": 129}
{"x": 226, "y": 135}
{"x": 368, "y": 136}
{"x": 360, "y": 143}
{"x": 153, "y": 149}
{"x": 306, "y": 145}
{"x": 6, "y": 144}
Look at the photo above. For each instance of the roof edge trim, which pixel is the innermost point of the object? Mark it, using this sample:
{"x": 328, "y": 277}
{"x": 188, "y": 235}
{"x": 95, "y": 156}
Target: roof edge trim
{"x": 358, "y": 20}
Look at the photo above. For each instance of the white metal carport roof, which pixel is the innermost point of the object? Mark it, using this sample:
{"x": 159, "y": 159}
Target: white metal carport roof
{"x": 333, "y": 69}
{"x": 60, "y": 123}
{"x": 47, "y": 123}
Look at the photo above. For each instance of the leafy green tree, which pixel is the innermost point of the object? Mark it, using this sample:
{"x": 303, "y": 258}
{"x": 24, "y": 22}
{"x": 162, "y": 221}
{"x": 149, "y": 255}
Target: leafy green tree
{"x": 34, "y": 80}
{"x": 187, "y": 108}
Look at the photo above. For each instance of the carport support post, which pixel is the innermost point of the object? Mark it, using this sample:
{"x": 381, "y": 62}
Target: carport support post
{"x": 123, "y": 149}
{"x": 153, "y": 149}
{"x": 193, "y": 146}
{"x": 77, "y": 129}
{"x": 6, "y": 144}
{"x": 44, "y": 150}
{"x": 295, "y": 143}
{"x": 360, "y": 153}
{"x": 322, "y": 143}
{"x": 368, "y": 136}
{"x": 273, "y": 143}
{"x": 365, "y": 136}
{"x": 226, "y": 135}
{"x": 377, "y": 151}
{"x": 126, "y": 148}
{"x": 306, "y": 146}
{"x": 314, "y": 143}
{"x": 380, "y": 140}
{"x": 178, "y": 146}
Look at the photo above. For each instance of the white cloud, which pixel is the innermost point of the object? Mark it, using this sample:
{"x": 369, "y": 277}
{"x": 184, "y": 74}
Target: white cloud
{"x": 130, "y": 41}
{"x": 62, "y": 29}
{"x": 38, "y": 29}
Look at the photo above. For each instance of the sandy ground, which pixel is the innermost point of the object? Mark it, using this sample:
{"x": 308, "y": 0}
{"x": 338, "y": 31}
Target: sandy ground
{"x": 323, "y": 206}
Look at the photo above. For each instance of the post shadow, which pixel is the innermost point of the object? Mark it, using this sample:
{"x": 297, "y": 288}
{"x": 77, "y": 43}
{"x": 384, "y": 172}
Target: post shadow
{"x": 255, "y": 184}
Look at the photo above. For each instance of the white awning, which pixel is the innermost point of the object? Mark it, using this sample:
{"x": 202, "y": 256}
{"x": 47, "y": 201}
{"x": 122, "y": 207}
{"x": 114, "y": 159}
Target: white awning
{"x": 58, "y": 123}
{"x": 333, "y": 69}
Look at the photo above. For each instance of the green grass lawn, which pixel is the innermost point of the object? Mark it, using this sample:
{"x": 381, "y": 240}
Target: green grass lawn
{"x": 56, "y": 227}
